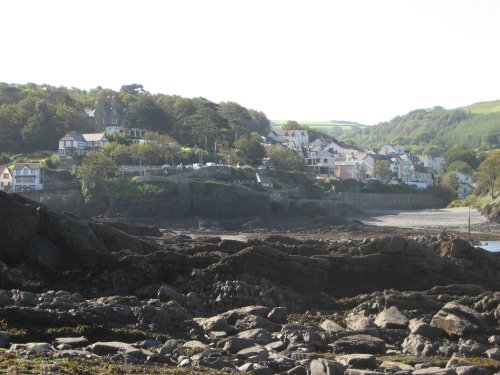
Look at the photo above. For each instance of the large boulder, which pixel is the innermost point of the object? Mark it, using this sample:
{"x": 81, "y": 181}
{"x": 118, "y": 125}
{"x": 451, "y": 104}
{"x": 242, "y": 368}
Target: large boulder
{"x": 365, "y": 344}
{"x": 458, "y": 320}
{"x": 391, "y": 318}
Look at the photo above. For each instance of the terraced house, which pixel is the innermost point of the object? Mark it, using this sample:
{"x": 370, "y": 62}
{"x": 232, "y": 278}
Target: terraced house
{"x": 27, "y": 176}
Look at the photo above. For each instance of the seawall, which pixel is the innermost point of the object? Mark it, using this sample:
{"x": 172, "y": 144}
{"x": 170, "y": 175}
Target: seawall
{"x": 62, "y": 199}
{"x": 376, "y": 201}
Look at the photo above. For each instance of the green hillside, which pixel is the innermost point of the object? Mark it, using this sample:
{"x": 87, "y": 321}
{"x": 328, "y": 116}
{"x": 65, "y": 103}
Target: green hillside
{"x": 434, "y": 130}
{"x": 483, "y": 107}
{"x": 333, "y": 128}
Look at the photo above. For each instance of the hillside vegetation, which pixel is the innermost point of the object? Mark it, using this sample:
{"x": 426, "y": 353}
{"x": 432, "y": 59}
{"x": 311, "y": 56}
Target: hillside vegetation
{"x": 434, "y": 130}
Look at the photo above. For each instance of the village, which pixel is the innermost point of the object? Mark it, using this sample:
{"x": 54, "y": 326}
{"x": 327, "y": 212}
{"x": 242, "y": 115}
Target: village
{"x": 323, "y": 157}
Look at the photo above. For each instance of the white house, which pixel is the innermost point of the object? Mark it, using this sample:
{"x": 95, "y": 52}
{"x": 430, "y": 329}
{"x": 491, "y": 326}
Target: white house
{"x": 5, "y": 178}
{"x": 77, "y": 144}
{"x": 323, "y": 164}
{"x": 465, "y": 185}
{"x": 27, "y": 176}
{"x": 298, "y": 137}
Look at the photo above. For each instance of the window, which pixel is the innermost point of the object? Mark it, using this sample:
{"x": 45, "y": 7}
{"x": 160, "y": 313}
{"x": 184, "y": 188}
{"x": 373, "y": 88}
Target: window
{"x": 325, "y": 160}
{"x": 5, "y": 175}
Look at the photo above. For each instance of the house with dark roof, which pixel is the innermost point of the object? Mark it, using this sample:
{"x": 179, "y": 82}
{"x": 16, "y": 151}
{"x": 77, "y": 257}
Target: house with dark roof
{"x": 27, "y": 177}
{"x": 292, "y": 138}
{"x": 78, "y": 144}
{"x": 108, "y": 115}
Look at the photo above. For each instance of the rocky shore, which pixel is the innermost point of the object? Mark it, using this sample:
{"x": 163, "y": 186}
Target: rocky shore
{"x": 85, "y": 297}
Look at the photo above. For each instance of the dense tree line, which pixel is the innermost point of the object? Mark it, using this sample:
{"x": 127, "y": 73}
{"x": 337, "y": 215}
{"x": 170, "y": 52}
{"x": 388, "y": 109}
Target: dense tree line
{"x": 34, "y": 117}
{"x": 432, "y": 131}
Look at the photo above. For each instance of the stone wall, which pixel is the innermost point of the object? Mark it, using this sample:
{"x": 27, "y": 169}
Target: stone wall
{"x": 64, "y": 199}
{"x": 379, "y": 201}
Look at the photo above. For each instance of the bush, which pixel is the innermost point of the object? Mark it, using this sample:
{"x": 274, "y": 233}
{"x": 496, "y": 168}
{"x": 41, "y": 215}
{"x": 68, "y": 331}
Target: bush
{"x": 471, "y": 200}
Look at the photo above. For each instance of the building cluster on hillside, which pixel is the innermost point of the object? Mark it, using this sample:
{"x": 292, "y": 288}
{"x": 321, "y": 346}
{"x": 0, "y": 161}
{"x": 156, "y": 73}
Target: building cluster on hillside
{"x": 391, "y": 164}
{"x": 325, "y": 159}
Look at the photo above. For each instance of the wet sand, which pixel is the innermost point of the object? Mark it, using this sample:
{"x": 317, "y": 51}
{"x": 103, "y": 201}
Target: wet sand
{"x": 443, "y": 217}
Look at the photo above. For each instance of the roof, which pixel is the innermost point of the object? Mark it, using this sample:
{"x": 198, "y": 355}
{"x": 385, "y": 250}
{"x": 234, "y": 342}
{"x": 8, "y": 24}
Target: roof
{"x": 29, "y": 165}
{"x": 2, "y": 167}
{"x": 345, "y": 146}
{"x": 378, "y": 157}
{"x": 93, "y": 137}
{"x": 288, "y": 132}
{"x": 76, "y": 136}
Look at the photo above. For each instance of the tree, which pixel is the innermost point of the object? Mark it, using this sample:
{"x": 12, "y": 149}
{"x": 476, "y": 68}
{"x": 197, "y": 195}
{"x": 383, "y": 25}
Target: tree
{"x": 146, "y": 112}
{"x": 93, "y": 173}
{"x": 285, "y": 159}
{"x": 463, "y": 153}
{"x": 292, "y": 125}
{"x": 250, "y": 150}
{"x": 450, "y": 181}
{"x": 165, "y": 146}
{"x": 238, "y": 118}
{"x": 489, "y": 171}
{"x": 460, "y": 166}
{"x": 259, "y": 122}
{"x": 381, "y": 170}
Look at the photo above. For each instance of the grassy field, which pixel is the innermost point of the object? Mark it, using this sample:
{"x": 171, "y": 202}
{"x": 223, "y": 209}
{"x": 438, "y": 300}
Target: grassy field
{"x": 334, "y": 128}
{"x": 483, "y": 107}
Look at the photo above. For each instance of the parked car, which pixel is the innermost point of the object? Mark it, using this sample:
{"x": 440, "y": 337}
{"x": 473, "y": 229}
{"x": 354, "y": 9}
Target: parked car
{"x": 197, "y": 165}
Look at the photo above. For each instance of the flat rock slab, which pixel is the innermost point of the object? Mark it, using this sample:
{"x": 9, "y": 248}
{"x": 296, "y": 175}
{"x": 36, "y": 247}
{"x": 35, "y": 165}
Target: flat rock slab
{"x": 254, "y": 352}
{"x": 74, "y": 342}
{"x": 110, "y": 347}
{"x": 365, "y": 344}
{"x": 352, "y": 371}
{"x": 435, "y": 371}
{"x": 392, "y": 366}
{"x": 358, "y": 361}
{"x": 194, "y": 345}
{"x": 235, "y": 344}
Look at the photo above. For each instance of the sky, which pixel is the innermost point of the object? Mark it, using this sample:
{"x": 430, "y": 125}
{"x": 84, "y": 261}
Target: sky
{"x": 356, "y": 60}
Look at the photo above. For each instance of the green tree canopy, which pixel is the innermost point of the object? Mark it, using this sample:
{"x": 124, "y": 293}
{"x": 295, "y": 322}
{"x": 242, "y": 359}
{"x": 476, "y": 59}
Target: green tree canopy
{"x": 489, "y": 172}
{"x": 461, "y": 153}
{"x": 285, "y": 159}
{"x": 250, "y": 150}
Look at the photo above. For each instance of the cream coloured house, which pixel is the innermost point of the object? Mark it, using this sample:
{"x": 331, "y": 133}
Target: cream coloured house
{"x": 5, "y": 178}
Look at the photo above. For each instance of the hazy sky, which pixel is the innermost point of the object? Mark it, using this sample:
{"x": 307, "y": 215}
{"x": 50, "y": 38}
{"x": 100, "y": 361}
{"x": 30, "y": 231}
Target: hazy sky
{"x": 357, "y": 60}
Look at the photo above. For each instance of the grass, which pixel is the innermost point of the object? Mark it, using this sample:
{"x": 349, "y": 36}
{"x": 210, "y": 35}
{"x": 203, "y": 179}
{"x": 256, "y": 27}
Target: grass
{"x": 11, "y": 363}
{"x": 483, "y": 107}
